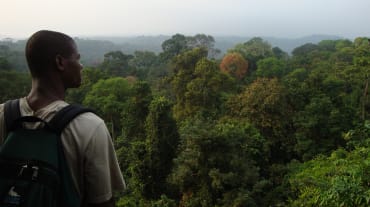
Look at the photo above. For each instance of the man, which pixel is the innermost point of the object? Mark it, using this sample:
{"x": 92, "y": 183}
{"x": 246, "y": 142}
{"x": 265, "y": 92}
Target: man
{"x": 53, "y": 61}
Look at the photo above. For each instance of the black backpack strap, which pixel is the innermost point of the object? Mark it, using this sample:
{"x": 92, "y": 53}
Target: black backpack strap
{"x": 66, "y": 115}
{"x": 58, "y": 123}
{"x": 11, "y": 113}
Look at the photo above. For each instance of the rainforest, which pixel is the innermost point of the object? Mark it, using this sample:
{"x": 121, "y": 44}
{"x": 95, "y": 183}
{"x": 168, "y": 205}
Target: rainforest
{"x": 251, "y": 126}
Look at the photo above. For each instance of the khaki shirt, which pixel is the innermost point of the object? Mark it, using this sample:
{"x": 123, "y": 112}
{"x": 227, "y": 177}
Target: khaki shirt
{"x": 88, "y": 150}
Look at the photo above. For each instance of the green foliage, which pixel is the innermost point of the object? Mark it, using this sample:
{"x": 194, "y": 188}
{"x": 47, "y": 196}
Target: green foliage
{"x": 203, "y": 41}
{"x": 324, "y": 115}
{"x": 161, "y": 142}
{"x": 147, "y": 65}
{"x": 314, "y": 131}
{"x": 296, "y": 89}
{"x": 253, "y": 50}
{"x": 204, "y": 93}
{"x": 271, "y": 67}
{"x": 12, "y": 56}
{"x": 215, "y": 166}
{"x": 341, "y": 179}
{"x": 356, "y": 137}
{"x": 108, "y": 97}
{"x": 174, "y": 46}
{"x": 304, "y": 49}
{"x": 132, "y": 201}
{"x": 264, "y": 103}
{"x": 188, "y": 134}
{"x": 179, "y": 43}
{"x": 164, "y": 201}
{"x": 13, "y": 85}
{"x": 116, "y": 63}
{"x": 279, "y": 53}
{"x": 147, "y": 146}
{"x": 184, "y": 67}
{"x": 4, "y": 64}
{"x": 90, "y": 76}
{"x": 135, "y": 111}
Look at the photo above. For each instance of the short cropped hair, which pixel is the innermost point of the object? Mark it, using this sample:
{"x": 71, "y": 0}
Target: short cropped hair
{"x": 43, "y": 47}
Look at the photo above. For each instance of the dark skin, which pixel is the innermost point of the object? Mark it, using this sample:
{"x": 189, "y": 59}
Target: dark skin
{"x": 52, "y": 85}
{"x": 45, "y": 91}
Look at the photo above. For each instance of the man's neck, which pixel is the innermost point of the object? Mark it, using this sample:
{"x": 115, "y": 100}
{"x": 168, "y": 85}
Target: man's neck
{"x": 43, "y": 93}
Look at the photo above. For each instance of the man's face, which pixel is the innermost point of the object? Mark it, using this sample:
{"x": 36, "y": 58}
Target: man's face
{"x": 73, "y": 68}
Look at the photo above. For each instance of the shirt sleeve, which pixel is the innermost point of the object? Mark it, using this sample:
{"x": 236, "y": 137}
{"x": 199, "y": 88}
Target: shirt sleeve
{"x": 102, "y": 173}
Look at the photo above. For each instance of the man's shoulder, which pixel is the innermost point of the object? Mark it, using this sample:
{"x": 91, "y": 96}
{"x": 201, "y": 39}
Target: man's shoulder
{"x": 83, "y": 128}
{"x": 89, "y": 117}
{"x": 87, "y": 123}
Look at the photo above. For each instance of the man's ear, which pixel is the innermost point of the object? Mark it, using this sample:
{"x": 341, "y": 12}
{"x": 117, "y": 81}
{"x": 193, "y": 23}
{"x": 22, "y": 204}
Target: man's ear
{"x": 59, "y": 61}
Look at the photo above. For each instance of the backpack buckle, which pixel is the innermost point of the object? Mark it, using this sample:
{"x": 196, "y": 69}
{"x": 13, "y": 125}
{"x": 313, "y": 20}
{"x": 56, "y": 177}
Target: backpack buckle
{"x": 35, "y": 172}
{"x": 21, "y": 170}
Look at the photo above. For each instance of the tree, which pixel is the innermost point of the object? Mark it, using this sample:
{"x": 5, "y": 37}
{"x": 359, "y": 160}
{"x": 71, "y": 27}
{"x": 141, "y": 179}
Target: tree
{"x": 303, "y": 55}
{"x": 144, "y": 59}
{"x": 205, "y": 93}
{"x": 90, "y": 76}
{"x": 271, "y": 67}
{"x": 296, "y": 89}
{"x": 279, "y": 53}
{"x": 14, "y": 85}
{"x": 325, "y": 117}
{"x": 183, "y": 68}
{"x": 362, "y": 62}
{"x": 264, "y": 104}
{"x": 235, "y": 65}
{"x": 135, "y": 112}
{"x": 147, "y": 147}
{"x": 340, "y": 179}
{"x": 179, "y": 44}
{"x": 304, "y": 49}
{"x": 116, "y": 63}
{"x": 4, "y": 55}
{"x": 215, "y": 166}
{"x": 108, "y": 97}
{"x": 314, "y": 128}
{"x": 327, "y": 45}
{"x": 253, "y": 50}
{"x": 198, "y": 85}
{"x": 203, "y": 41}
{"x": 162, "y": 140}
{"x": 174, "y": 46}
{"x": 4, "y": 64}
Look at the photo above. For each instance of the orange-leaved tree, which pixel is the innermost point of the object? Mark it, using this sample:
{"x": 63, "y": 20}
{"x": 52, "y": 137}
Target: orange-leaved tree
{"x": 235, "y": 65}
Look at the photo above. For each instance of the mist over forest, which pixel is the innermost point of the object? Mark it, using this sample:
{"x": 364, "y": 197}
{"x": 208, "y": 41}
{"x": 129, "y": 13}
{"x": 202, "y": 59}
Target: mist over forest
{"x": 93, "y": 48}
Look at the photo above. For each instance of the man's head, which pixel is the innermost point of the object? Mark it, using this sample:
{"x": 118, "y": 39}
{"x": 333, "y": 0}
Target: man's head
{"x": 49, "y": 51}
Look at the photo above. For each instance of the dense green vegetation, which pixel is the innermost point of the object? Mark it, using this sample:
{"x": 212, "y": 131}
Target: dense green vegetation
{"x": 258, "y": 127}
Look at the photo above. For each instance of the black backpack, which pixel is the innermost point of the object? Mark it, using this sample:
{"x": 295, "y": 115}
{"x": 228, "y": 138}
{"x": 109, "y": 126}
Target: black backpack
{"x": 33, "y": 169}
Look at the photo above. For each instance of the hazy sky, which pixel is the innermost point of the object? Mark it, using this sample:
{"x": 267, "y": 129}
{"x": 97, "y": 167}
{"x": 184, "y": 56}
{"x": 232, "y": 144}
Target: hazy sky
{"x": 279, "y": 18}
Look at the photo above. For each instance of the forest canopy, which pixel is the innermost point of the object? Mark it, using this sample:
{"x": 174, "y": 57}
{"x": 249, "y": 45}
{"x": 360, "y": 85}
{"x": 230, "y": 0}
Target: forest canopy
{"x": 255, "y": 126}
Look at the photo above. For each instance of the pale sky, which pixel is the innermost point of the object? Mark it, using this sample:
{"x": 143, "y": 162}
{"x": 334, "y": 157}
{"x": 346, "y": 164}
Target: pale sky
{"x": 278, "y": 18}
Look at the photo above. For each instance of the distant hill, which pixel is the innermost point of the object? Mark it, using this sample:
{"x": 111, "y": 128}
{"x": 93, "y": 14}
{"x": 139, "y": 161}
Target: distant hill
{"x": 135, "y": 43}
{"x": 153, "y": 43}
{"x": 286, "y": 44}
{"x": 93, "y": 48}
